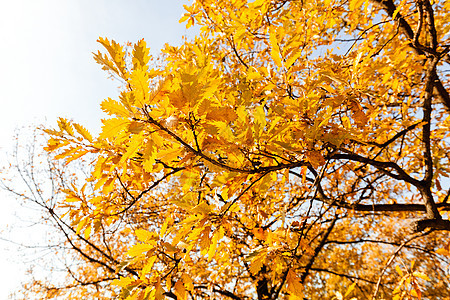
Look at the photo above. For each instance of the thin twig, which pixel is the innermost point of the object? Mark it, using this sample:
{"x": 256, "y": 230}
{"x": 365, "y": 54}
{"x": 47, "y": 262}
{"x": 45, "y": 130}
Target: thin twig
{"x": 394, "y": 255}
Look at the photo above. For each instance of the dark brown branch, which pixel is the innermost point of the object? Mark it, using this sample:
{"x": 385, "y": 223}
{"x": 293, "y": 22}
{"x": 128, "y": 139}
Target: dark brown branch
{"x": 262, "y": 284}
{"x": 393, "y": 207}
{"x": 425, "y": 187}
{"x": 81, "y": 252}
{"x": 135, "y": 199}
{"x": 317, "y": 250}
{"x": 81, "y": 283}
{"x": 438, "y": 88}
{"x": 233, "y": 46}
{"x": 60, "y": 224}
{"x": 280, "y": 285}
{"x": 380, "y": 165}
{"x": 431, "y": 26}
{"x": 342, "y": 275}
{"x": 231, "y": 202}
{"x": 360, "y": 241}
{"x": 222, "y": 292}
{"x": 255, "y": 170}
{"x": 395, "y": 137}
{"x": 419, "y": 4}
{"x": 433, "y": 224}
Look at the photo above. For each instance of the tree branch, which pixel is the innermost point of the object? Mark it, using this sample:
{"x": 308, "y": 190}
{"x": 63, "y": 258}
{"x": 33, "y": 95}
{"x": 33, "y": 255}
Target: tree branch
{"x": 438, "y": 88}
{"x": 380, "y": 165}
{"x": 317, "y": 250}
{"x": 397, "y": 251}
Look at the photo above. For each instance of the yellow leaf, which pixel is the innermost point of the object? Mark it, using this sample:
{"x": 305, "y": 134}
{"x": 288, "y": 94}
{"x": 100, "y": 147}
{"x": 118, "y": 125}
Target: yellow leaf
{"x": 346, "y": 122}
{"x": 65, "y": 125}
{"x": 356, "y": 61}
{"x": 203, "y": 107}
{"x": 54, "y": 144}
{"x": 399, "y": 271}
{"x": 139, "y": 249}
{"x": 87, "y": 232}
{"x": 253, "y": 74}
{"x": 187, "y": 282}
{"x": 113, "y": 107}
{"x": 203, "y": 208}
{"x": 132, "y": 147}
{"x": 315, "y": 158}
{"x": 442, "y": 251}
{"x": 68, "y": 152}
{"x": 190, "y": 22}
{"x": 184, "y": 18}
{"x": 226, "y": 114}
{"x": 218, "y": 234}
{"x": 416, "y": 292}
{"x": 148, "y": 266}
{"x": 293, "y": 57}
{"x": 170, "y": 249}
{"x": 240, "y": 35}
{"x": 355, "y": 4}
{"x": 72, "y": 198}
{"x": 159, "y": 291}
{"x": 164, "y": 226}
{"x": 205, "y": 240}
{"x": 81, "y": 225}
{"x": 106, "y": 63}
{"x": 294, "y": 286}
{"x": 83, "y": 131}
{"x": 116, "y": 52}
{"x": 180, "y": 291}
{"x": 145, "y": 235}
{"x": 122, "y": 282}
{"x": 326, "y": 116}
{"x": 256, "y": 4}
{"x": 275, "y": 52}
{"x": 257, "y": 262}
{"x": 350, "y": 289}
{"x": 421, "y": 275}
{"x": 139, "y": 82}
{"x": 260, "y": 115}
{"x": 358, "y": 115}
{"x": 387, "y": 77}
{"x": 303, "y": 173}
{"x": 111, "y": 127}
{"x": 141, "y": 55}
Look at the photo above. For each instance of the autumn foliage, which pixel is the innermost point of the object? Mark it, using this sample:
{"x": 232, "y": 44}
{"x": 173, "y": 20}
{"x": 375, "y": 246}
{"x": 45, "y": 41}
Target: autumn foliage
{"x": 293, "y": 149}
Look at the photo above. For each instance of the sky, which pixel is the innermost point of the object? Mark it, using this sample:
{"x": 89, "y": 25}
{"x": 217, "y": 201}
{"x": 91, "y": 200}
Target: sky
{"x": 47, "y": 71}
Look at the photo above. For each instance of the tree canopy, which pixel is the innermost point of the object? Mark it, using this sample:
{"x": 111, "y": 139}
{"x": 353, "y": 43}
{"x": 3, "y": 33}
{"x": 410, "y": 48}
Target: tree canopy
{"x": 293, "y": 149}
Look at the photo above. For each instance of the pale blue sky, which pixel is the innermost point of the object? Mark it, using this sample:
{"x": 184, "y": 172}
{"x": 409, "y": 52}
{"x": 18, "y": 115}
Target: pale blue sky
{"x": 47, "y": 69}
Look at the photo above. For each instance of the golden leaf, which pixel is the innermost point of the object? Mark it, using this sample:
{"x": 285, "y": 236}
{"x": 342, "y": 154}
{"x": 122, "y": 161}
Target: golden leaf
{"x": 139, "y": 249}
{"x": 421, "y": 275}
{"x": 275, "y": 52}
{"x": 294, "y": 286}
{"x": 141, "y": 55}
{"x": 112, "y": 127}
{"x": 83, "y": 131}
{"x": 180, "y": 291}
{"x": 132, "y": 147}
{"x": 113, "y": 107}
{"x": 257, "y": 261}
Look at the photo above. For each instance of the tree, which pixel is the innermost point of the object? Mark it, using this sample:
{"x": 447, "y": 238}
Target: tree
{"x": 292, "y": 149}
